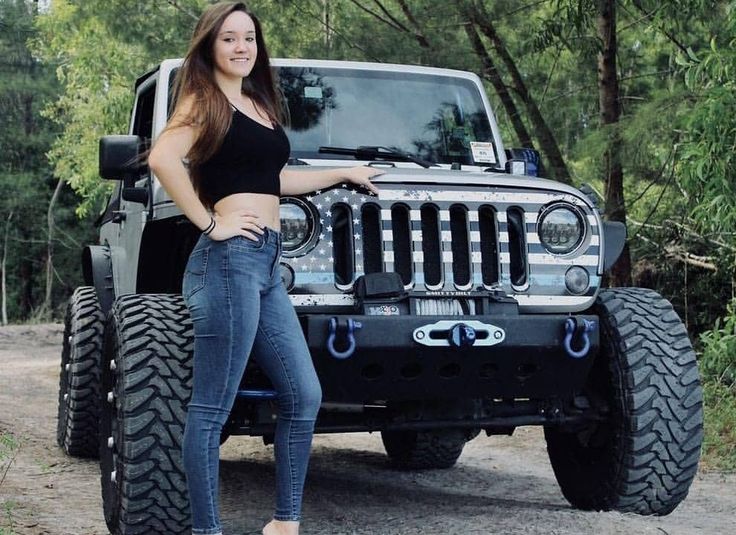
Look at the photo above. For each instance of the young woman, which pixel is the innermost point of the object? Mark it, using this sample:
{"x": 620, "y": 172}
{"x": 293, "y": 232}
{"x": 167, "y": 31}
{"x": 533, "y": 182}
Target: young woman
{"x": 226, "y": 127}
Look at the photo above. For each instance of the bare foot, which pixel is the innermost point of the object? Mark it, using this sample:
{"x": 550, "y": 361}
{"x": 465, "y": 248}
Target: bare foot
{"x": 281, "y": 527}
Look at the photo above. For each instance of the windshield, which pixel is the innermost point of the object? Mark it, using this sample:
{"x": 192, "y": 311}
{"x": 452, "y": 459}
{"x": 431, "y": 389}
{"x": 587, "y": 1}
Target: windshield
{"x": 438, "y": 118}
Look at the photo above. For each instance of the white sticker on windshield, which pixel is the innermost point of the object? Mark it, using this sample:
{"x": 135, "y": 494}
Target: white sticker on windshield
{"x": 312, "y": 92}
{"x": 483, "y": 152}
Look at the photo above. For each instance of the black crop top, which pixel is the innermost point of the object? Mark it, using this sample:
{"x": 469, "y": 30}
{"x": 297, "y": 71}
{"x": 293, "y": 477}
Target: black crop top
{"x": 249, "y": 160}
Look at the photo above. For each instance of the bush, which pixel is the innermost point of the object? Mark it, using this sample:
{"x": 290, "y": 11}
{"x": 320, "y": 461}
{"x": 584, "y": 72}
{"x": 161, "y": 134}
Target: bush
{"x": 718, "y": 371}
{"x": 8, "y": 450}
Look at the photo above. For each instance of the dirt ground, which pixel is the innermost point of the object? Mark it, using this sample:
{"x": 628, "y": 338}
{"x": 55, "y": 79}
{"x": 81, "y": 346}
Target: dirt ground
{"x": 501, "y": 485}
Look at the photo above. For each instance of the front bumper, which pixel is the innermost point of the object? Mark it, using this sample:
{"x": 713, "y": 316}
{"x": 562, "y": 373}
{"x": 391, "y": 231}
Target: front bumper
{"x": 389, "y": 364}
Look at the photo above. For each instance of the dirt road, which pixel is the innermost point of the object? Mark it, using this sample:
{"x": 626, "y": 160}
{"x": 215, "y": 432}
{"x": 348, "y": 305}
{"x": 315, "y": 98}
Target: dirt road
{"x": 501, "y": 485}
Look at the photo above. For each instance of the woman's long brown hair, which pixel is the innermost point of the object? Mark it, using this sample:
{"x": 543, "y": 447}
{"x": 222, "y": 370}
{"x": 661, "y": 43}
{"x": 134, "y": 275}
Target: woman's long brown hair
{"x": 211, "y": 111}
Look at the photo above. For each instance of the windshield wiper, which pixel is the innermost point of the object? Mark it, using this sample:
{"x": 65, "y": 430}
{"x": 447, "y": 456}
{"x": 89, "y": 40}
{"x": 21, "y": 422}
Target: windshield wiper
{"x": 371, "y": 153}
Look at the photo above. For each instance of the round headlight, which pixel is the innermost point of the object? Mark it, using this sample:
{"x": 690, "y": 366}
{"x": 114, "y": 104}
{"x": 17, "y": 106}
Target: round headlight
{"x": 297, "y": 225}
{"x": 561, "y": 229}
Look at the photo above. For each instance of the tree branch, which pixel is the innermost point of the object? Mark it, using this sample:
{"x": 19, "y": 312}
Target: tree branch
{"x": 390, "y": 16}
{"x": 656, "y": 205}
{"x": 3, "y": 275}
{"x": 46, "y": 307}
{"x": 336, "y": 33}
{"x": 678, "y": 253}
{"x": 639, "y": 20}
{"x": 650, "y": 16}
{"x": 184, "y": 10}
{"x": 395, "y": 23}
{"x": 701, "y": 237}
{"x": 621, "y": 79}
{"x": 423, "y": 41}
{"x": 388, "y": 22}
{"x": 551, "y": 71}
{"x": 490, "y": 73}
{"x": 522, "y": 8}
{"x": 697, "y": 237}
{"x": 657, "y": 178}
{"x": 479, "y": 15}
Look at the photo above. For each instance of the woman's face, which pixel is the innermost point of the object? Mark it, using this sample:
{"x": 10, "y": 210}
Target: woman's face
{"x": 235, "y": 46}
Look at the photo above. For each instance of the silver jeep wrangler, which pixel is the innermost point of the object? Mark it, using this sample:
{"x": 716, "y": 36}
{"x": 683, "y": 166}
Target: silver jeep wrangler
{"x": 465, "y": 297}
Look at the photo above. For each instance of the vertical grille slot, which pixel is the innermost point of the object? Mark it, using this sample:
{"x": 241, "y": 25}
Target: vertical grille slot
{"x": 431, "y": 246}
{"x": 488, "y": 244}
{"x": 460, "y": 245}
{"x": 372, "y": 239}
{"x": 517, "y": 246}
{"x": 401, "y": 229}
{"x": 343, "y": 249}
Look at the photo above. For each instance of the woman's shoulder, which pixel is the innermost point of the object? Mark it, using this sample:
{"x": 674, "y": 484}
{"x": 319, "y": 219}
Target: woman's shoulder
{"x": 185, "y": 106}
{"x": 185, "y": 112}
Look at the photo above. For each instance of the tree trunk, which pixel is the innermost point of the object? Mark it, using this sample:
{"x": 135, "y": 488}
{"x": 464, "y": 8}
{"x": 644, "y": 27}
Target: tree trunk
{"x": 26, "y": 288}
{"x": 420, "y": 37}
{"x": 47, "y": 304}
{"x": 547, "y": 142}
{"x": 3, "y": 282}
{"x": 326, "y": 24}
{"x": 610, "y": 109}
{"x": 490, "y": 73}
{"x": 28, "y": 115}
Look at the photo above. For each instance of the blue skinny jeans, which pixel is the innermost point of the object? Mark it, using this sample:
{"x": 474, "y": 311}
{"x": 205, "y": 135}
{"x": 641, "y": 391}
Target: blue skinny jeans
{"x": 239, "y": 307}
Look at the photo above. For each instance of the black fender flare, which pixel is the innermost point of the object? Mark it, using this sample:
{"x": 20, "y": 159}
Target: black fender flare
{"x": 97, "y": 272}
{"x": 614, "y": 235}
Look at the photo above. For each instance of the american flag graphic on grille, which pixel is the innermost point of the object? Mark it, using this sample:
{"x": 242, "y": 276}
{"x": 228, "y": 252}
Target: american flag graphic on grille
{"x": 442, "y": 241}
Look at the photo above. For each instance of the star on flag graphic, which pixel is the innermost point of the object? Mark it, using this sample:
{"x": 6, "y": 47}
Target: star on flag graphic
{"x": 320, "y": 258}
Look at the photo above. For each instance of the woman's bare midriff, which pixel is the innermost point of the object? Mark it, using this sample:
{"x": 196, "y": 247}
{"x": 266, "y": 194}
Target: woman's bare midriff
{"x": 264, "y": 206}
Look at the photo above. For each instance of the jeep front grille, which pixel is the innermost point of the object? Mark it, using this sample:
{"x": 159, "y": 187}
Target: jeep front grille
{"x": 431, "y": 248}
{"x": 443, "y": 243}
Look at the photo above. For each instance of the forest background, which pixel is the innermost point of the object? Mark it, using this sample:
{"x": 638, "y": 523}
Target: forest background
{"x": 636, "y": 98}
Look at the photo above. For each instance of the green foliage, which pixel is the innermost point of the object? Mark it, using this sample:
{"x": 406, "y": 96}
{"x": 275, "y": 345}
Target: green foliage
{"x": 718, "y": 371}
{"x": 655, "y": 126}
{"x": 99, "y": 50}
{"x": 708, "y": 162}
{"x": 24, "y": 135}
{"x": 718, "y": 363}
{"x": 719, "y": 444}
{"x": 9, "y": 446}
{"x": 26, "y": 182}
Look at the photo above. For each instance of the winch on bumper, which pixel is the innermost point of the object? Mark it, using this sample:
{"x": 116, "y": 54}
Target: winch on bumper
{"x": 362, "y": 358}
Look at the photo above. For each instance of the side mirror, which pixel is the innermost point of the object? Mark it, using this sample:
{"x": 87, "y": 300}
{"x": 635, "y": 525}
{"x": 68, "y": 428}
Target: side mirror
{"x": 120, "y": 157}
{"x": 528, "y": 157}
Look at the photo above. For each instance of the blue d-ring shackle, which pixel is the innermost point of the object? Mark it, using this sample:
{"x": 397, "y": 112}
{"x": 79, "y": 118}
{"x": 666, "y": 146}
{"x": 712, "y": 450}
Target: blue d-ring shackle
{"x": 570, "y": 327}
{"x": 352, "y": 327}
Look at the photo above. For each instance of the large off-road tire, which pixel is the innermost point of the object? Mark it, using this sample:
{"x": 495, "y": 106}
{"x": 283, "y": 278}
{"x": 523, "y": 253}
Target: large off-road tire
{"x": 147, "y": 378}
{"x": 79, "y": 381}
{"x": 419, "y": 450}
{"x": 642, "y": 458}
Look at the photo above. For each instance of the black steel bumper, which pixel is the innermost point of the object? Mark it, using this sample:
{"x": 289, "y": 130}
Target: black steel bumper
{"x": 390, "y": 363}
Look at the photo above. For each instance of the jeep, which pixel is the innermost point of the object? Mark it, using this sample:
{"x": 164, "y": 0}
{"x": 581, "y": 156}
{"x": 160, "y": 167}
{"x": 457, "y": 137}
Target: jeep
{"x": 466, "y": 297}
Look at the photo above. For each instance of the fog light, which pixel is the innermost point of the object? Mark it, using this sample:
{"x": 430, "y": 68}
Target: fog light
{"x": 287, "y": 276}
{"x": 577, "y": 280}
